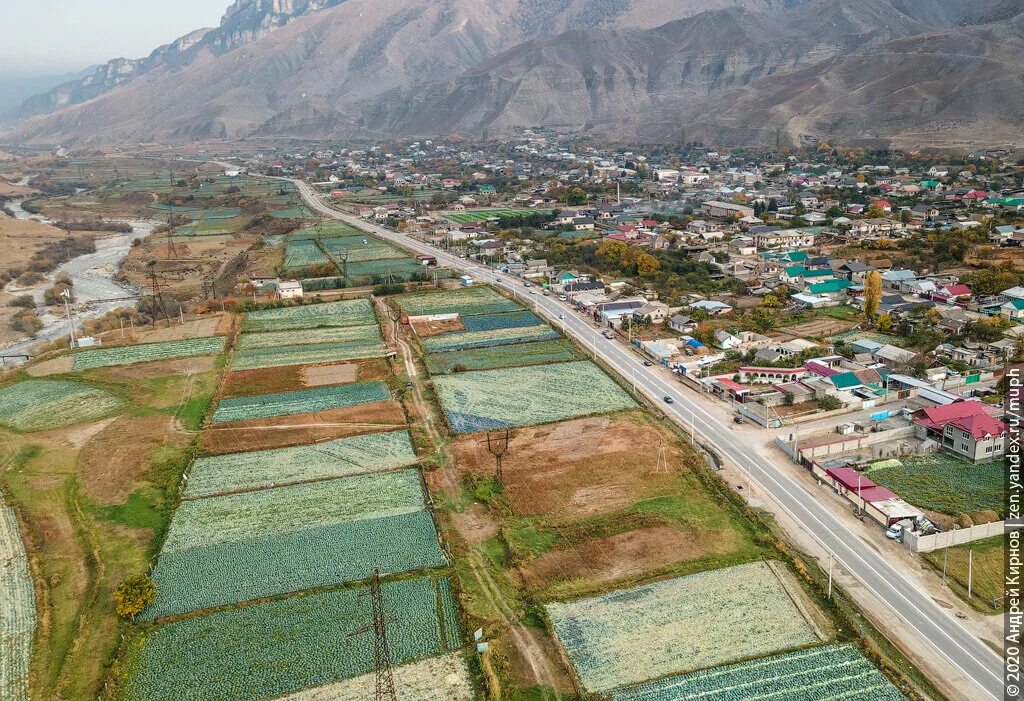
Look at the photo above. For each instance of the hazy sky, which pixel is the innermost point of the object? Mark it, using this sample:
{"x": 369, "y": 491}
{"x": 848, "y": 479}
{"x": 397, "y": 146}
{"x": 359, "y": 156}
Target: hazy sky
{"x": 55, "y": 36}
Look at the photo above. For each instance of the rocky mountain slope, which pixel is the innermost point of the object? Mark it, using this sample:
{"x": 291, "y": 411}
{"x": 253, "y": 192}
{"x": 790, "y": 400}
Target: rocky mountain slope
{"x": 651, "y": 69}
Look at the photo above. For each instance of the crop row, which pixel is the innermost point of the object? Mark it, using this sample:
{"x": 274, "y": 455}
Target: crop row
{"x": 493, "y": 357}
{"x": 147, "y": 352}
{"x": 300, "y": 402}
{"x": 343, "y": 334}
{"x": 229, "y": 573}
{"x": 680, "y": 625}
{"x": 270, "y": 512}
{"x": 491, "y": 399}
{"x": 303, "y": 253}
{"x": 466, "y": 301}
{"x": 444, "y": 678}
{"x": 946, "y": 484}
{"x": 38, "y": 405}
{"x": 508, "y": 320}
{"x": 464, "y": 340}
{"x": 280, "y": 647}
{"x": 17, "y": 610}
{"x": 358, "y": 312}
{"x": 269, "y": 468}
{"x": 282, "y": 356}
{"x": 814, "y": 674}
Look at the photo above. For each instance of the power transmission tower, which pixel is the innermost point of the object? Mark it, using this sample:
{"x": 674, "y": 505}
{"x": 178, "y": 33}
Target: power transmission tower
{"x": 343, "y": 257}
{"x": 172, "y": 252}
{"x": 662, "y": 467}
{"x": 498, "y": 447}
{"x": 385, "y": 683}
{"x": 158, "y": 298}
{"x": 395, "y": 315}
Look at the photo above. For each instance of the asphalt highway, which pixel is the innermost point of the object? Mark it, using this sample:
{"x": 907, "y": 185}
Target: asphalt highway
{"x": 935, "y": 626}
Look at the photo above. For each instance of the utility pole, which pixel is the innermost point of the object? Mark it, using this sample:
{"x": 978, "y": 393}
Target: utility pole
{"x": 970, "y": 573}
{"x": 830, "y": 576}
{"x": 66, "y": 294}
{"x": 498, "y": 447}
{"x": 385, "y": 681}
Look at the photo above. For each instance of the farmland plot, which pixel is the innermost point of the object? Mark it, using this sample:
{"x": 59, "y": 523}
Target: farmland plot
{"x": 362, "y": 248}
{"x": 227, "y": 549}
{"x": 302, "y": 254}
{"x": 147, "y": 352}
{"x": 329, "y": 229}
{"x": 401, "y": 268}
{"x": 679, "y": 625}
{"x": 344, "y": 334}
{"x": 493, "y": 357}
{"x": 508, "y": 320}
{"x": 357, "y": 312}
{"x": 38, "y": 405}
{"x": 464, "y": 340}
{"x": 270, "y": 468}
{"x": 816, "y": 674}
{"x": 944, "y": 483}
{"x": 283, "y": 646}
{"x": 491, "y": 399}
{"x": 17, "y": 610}
{"x": 443, "y": 678}
{"x": 301, "y": 402}
{"x": 466, "y": 301}
{"x": 257, "y": 358}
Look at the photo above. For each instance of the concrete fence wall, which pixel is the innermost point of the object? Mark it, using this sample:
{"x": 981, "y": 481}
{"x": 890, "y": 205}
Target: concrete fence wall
{"x": 881, "y": 443}
{"x": 927, "y": 543}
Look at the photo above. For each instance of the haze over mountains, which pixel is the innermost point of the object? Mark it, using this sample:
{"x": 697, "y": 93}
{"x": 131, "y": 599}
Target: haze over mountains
{"x": 726, "y": 72}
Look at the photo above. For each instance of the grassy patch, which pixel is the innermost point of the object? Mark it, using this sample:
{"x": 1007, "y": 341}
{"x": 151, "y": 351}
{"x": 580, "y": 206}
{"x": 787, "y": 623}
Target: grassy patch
{"x": 988, "y": 574}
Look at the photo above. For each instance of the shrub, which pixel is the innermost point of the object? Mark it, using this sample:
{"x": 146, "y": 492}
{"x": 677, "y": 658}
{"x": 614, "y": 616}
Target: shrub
{"x": 133, "y": 595}
{"x": 23, "y": 301}
{"x": 830, "y": 403}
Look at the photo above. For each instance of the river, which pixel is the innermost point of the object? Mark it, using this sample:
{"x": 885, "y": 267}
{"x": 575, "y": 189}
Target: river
{"x": 93, "y": 278}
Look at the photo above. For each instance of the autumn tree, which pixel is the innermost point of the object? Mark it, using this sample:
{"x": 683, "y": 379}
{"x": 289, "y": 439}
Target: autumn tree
{"x": 646, "y": 264}
{"x": 872, "y": 294}
{"x": 576, "y": 197}
{"x": 133, "y": 595}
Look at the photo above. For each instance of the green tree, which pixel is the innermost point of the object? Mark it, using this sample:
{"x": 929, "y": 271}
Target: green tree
{"x": 576, "y": 197}
{"x": 830, "y": 403}
{"x": 133, "y": 595}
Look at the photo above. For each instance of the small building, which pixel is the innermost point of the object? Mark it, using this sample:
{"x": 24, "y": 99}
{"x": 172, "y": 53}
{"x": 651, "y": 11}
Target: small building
{"x": 289, "y": 289}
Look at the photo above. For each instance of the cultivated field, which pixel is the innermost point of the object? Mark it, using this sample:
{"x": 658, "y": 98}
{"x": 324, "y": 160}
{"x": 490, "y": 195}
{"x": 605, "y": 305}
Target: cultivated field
{"x": 466, "y": 340}
{"x": 273, "y": 468}
{"x": 282, "y": 356}
{"x": 443, "y": 678}
{"x": 494, "y": 357}
{"x": 942, "y": 482}
{"x": 39, "y": 405}
{"x": 679, "y": 625}
{"x": 344, "y": 334}
{"x": 242, "y": 547}
{"x": 815, "y": 674}
{"x": 17, "y": 610}
{"x": 476, "y": 215}
{"x": 491, "y": 399}
{"x": 147, "y": 352}
{"x": 284, "y": 646}
{"x": 357, "y": 312}
{"x": 300, "y": 402}
{"x": 467, "y": 301}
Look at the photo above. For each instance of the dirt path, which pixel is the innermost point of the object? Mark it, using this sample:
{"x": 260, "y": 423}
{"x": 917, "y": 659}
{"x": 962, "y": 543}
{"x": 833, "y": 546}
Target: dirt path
{"x": 528, "y": 648}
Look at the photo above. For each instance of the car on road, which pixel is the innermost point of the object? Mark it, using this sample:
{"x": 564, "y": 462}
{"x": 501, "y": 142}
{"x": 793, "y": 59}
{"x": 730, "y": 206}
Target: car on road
{"x": 738, "y": 419}
{"x": 562, "y": 317}
{"x": 527, "y": 284}
{"x": 533, "y": 292}
{"x": 670, "y": 400}
{"x": 648, "y": 363}
{"x": 563, "y": 298}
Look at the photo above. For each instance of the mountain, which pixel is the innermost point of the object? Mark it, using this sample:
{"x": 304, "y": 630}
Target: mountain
{"x": 625, "y": 69}
{"x": 15, "y": 89}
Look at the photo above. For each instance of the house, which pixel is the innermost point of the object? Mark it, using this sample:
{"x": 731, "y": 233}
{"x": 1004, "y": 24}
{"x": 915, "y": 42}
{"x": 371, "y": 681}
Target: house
{"x": 713, "y": 308}
{"x": 893, "y": 356}
{"x": 682, "y": 324}
{"x": 614, "y": 313}
{"x": 855, "y": 271}
{"x": 289, "y": 289}
{"x": 726, "y": 341}
{"x": 1013, "y": 310}
{"x": 835, "y": 289}
{"x": 726, "y": 210}
{"x": 793, "y": 238}
{"x": 657, "y": 312}
{"x": 894, "y": 279}
{"x": 964, "y": 428}
{"x": 952, "y": 294}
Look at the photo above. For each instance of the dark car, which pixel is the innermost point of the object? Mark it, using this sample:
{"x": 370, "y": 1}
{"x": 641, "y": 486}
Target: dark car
{"x": 669, "y": 400}
{"x": 648, "y": 363}
{"x": 737, "y": 419}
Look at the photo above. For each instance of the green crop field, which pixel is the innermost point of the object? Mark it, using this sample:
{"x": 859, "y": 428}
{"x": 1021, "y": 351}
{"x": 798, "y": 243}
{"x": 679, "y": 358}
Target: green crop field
{"x": 284, "y": 646}
{"x": 465, "y": 340}
{"x": 271, "y": 468}
{"x": 357, "y": 312}
{"x": 466, "y": 301}
{"x": 679, "y": 625}
{"x": 944, "y": 483}
{"x": 493, "y": 357}
{"x": 329, "y": 228}
{"x": 17, "y": 610}
{"x": 38, "y": 405}
{"x": 492, "y": 399}
{"x": 147, "y": 352}
{"x": 475, "y": 215}
{"x": 240, "y": 547}
{"x": 815, "y": 674}
{"x": 301, "y": 402}
{"x": 302, "y": 254}
{"x": 307, "y": 354}
{"x": 340, "y": 334}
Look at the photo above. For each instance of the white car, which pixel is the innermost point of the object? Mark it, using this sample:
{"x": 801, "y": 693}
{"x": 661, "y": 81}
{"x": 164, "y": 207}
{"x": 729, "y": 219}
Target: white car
{"x": 562, "y": 317}
{"x": 563, "y": 298}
